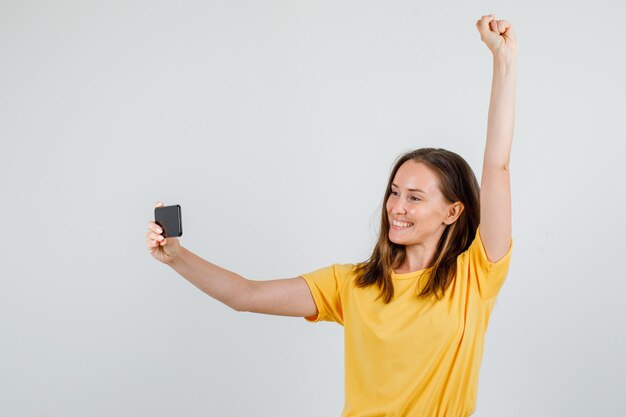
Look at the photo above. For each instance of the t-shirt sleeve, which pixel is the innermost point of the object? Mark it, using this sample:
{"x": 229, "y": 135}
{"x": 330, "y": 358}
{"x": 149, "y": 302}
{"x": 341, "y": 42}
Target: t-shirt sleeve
{"x": 325, "y": 285}
{"x": 487, "y": 275}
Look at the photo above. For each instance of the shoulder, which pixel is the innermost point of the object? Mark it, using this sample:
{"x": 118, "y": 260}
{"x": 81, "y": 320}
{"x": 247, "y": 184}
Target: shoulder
{"x": 337, "y": 272}
{"x": 476, "y": 252}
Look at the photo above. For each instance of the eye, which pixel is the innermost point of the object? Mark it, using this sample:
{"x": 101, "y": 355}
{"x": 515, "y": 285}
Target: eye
{"x": 412, "y": 198}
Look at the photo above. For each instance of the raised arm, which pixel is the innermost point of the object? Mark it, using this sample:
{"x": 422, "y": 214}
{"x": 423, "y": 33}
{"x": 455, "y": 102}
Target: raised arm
{"x": 495, "y": 193}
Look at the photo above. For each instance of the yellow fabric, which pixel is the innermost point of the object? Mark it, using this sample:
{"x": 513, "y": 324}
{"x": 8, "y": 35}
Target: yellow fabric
{"x": 412, "y": 357}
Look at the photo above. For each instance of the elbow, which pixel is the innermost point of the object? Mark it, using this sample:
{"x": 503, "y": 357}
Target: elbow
{"x": 241, "y": 302}
{"x": 237, "y": 305}
{"x": 502, "y": 166}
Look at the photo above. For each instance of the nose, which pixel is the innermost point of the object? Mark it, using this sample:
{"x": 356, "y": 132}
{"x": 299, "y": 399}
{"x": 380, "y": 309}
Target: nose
{"x": 398, "y": 207}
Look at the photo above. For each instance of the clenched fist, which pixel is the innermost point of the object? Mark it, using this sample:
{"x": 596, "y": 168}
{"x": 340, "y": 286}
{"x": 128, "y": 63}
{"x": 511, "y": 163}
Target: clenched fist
{"x": 498, "y": 35}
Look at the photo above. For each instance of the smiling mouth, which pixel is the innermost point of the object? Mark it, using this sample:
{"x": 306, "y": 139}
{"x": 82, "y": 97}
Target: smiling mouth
{"x": 396, "y": 225}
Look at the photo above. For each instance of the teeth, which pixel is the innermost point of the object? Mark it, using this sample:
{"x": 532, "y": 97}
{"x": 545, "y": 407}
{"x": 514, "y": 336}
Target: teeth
{"x": 401, "y": 224}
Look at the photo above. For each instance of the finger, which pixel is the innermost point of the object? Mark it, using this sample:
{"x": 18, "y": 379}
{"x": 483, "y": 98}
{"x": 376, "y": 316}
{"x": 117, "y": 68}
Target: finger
{"x": 501, "y": 26}
{"x": 493, "y": 25}
{"x": 510, "y": 33}
{"x": 154, "y": 227}
{"x": 151, "y": 243}
{"x": 485, "y": 19}
{"x": 484, "y": 23}
{"x": 505, "y": 27}
{"x": 154, "y": 236}
{"x": 158, "y": 204}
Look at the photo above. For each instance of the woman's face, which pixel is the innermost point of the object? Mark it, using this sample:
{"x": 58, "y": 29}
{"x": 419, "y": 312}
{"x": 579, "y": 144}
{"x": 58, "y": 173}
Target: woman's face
{"x": 416, "y": 208}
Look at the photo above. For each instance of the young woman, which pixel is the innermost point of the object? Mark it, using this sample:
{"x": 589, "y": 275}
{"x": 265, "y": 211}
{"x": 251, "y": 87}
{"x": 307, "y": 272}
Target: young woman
{"x": 416, "y": 313}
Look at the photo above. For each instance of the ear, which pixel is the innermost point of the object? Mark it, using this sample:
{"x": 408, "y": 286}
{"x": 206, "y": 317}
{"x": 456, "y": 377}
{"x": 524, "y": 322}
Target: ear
{"x": 454, "y": 211}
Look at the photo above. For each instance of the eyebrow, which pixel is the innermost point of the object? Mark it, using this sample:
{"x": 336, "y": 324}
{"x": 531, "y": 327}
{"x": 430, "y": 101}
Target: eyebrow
{"x": 410, "y": 189}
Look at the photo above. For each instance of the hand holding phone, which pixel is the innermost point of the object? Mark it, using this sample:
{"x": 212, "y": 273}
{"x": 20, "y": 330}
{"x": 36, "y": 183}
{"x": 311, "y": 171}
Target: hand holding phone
{"x": 163, "y": 248}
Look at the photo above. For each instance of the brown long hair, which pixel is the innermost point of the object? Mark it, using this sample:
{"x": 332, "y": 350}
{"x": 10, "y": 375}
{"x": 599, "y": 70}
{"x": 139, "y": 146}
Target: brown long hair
{"x": 457, "y": 182}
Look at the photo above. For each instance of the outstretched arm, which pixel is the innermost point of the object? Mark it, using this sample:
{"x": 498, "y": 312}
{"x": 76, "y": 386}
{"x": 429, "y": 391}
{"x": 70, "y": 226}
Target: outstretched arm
{"x": 495, "y": 194}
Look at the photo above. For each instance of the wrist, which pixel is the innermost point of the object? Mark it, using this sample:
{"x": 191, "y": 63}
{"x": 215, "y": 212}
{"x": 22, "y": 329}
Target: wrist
{"x": 504, "y": 66}
{"x": 177, "y": 259}
{"x": 508, "y": 57}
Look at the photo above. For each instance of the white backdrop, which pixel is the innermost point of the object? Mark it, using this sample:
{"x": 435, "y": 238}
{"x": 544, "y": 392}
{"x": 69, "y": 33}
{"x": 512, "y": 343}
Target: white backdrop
{"x": 274, "y": 124}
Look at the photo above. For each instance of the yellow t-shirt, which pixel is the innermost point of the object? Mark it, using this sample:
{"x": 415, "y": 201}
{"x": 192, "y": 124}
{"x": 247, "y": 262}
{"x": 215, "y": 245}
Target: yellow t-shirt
{"x": 412, "y": 357}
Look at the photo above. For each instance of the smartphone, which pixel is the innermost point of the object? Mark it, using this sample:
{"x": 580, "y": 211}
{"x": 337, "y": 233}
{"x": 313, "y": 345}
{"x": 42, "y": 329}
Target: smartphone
{"x": 170, "y": 220}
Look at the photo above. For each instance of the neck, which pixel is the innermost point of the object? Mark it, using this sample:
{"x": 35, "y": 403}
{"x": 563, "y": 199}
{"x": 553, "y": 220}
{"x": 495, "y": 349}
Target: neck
{"x": 419, "y": 256}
